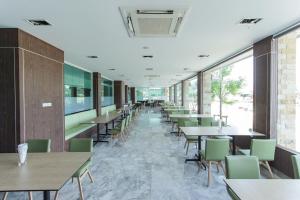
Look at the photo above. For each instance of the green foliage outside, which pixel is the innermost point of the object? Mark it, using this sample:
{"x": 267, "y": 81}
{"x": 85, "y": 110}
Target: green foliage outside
{"x": 229, "y": 87}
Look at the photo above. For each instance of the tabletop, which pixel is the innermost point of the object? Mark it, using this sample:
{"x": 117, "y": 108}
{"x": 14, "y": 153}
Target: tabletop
{"x": 261, "y": 189}
{"x": 42, "y": 171}
{"x": 216, "y": 131}
{"x": 103, "y": 119}
{"x": 189, "y": 116}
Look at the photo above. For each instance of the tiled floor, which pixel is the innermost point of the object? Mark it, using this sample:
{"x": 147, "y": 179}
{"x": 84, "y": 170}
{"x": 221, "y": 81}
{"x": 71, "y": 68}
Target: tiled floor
{"x": 150, "y": 165}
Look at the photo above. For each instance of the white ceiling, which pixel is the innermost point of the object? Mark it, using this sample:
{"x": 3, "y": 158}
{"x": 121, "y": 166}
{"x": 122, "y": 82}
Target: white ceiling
{"x": 95, "y": 27}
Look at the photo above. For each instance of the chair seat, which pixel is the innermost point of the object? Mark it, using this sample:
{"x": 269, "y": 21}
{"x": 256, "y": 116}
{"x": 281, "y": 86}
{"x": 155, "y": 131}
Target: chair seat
{"x": 245, "y": 151}
{"x": 82, "y": 169}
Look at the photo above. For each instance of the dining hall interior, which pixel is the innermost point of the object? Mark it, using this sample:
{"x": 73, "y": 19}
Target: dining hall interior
{"x": 150, "y": 100}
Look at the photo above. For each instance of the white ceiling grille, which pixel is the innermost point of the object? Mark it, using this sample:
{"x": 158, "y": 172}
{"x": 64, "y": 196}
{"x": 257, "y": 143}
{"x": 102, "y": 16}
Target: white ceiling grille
{"x": 152, "y": 23}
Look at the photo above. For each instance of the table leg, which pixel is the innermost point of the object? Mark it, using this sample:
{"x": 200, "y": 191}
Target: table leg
{"x": 98, "y": 136}
{"x": 113, "y": 123}
{"x": 46, "y": 195}
{"x": 198, "y": 157}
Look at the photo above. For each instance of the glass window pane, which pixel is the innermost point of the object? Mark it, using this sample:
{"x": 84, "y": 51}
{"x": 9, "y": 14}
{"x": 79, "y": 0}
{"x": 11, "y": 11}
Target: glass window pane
{"x": 288, "y": 108}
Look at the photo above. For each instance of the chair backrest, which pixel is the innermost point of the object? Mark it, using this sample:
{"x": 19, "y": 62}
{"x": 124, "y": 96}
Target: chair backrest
{"x": 242, "y": 167}
{"x": 81, "y": 145}
{"x": 127, "y": 121}
{"x": 216, "y": 149}
{"x": 77, "y": 118}
{"x": 39, "y": 145}
{"x": 123, "y": 123}
{"x": 191, "y": 122}
{"x": 296, "y": 166}
{"x": 264, "y": 149}
{"x": 206, "y": 121}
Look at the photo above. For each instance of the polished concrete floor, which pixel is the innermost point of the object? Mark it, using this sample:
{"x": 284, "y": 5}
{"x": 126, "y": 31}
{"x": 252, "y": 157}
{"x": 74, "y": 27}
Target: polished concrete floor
{"x": 149, "y": 165}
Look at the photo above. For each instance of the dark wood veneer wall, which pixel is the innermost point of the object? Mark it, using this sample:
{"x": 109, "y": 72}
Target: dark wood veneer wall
{"x": 126, "y": 94}
{"x": 31, "y": 74}
{"x": 97, "y": 92}
{"x": 119, "y": 93}
{"x": 132, "y": 94}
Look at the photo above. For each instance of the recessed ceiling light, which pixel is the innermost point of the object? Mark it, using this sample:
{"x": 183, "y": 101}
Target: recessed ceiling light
{"x": 149, "y": 69}
{"x": 203, "y": 56}
{"x": 92, "y": 56}
{"x": 112, "y": 69}
{"x": 38, "y": 22}
{"x": 122, "y": 75}
{"x": 148, "y": 56}
{"x": 152, "y": 76}
{"x": 178, "y": 75}
{"x": 145, "y": 47}
{"x": 185, "y": 69}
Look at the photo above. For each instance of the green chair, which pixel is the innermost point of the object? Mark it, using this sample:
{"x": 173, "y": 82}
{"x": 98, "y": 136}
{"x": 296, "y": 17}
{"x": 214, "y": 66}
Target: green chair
{"x": 81, "y": 145}
{"x": 39, "y": 145}
{"x": 296, "y": 166}
{"x": 241, "y": 167}
{"x": 215, "y": 152}
{"x": 35, "y": 146}
{"x": 264, "y": 149}
{"x": 206, "y": 121}
{"x": 174, "y": 121}
{"x": 188, "y": 139}
{"x": 118, "y": 131}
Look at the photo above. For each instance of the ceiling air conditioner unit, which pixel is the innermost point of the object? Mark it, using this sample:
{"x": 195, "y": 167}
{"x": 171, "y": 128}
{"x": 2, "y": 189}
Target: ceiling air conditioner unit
{"x": 152, "y": 22}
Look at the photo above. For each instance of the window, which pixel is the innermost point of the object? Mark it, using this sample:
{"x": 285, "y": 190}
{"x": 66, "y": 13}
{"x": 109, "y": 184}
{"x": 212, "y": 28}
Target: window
{"x": 288, "y": 90}
{"x": 77, "y": 89}
{"x": 152, "y": 94}
{"x": 178, "y": 94}
{"x": 228, "y": 91}
{"x": 171, "y": 94}
{"x": 190, "y": 99}
{"x": 107, "y": 96}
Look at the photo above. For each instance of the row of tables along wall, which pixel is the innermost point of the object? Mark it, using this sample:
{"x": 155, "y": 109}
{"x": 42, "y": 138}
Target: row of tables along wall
{"x": 238, "y": 187}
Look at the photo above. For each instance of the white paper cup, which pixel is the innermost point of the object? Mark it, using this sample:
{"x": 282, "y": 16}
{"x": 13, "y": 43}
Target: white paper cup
{"x": 22, "y": 152}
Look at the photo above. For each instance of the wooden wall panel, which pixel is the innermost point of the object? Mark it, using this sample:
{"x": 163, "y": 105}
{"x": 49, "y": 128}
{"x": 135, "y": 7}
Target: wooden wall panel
{"x": 8, "y": 121}
{"x": 119, "y": 93}
{"x": 97, "y": 92}
{"x": 31, "y": 74}
{"x": 43, "y": 84}
{"x": 132, "y": 94}
{"x": 126, "y": 94}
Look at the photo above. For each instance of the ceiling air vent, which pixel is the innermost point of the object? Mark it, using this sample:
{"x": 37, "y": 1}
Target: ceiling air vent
{"x": 250, "y": 21}
{"x": 151, "y": 22}
{"x": 38, "y": 22}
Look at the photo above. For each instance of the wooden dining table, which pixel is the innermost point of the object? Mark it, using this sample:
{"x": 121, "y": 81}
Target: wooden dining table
{"x": 201, "y": 131}
{"x": 42, "y": 171}
{"x": 262, "y": 189}
{"x": 104, "y": 119}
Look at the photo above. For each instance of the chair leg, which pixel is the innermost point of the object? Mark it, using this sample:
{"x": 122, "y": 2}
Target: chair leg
{"x": 90, "y": 176}
{"x": 185, "y": 144}
{"x": 56, "y": 195}
{"x": 220, "y": 163}
{"x": 269, "y": 168}
{"x": 4, "y": 195}
{"x": 217, "y": 165}
{"x": 30, "y": 195}
{"x": 187, "y": 148}
{"x": 209, "y": 173}
{"x": 80, "y": 188}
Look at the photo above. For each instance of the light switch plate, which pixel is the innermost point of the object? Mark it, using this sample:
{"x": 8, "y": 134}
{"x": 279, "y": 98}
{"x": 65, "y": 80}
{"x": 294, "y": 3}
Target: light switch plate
{"x": 48, "y": 104}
